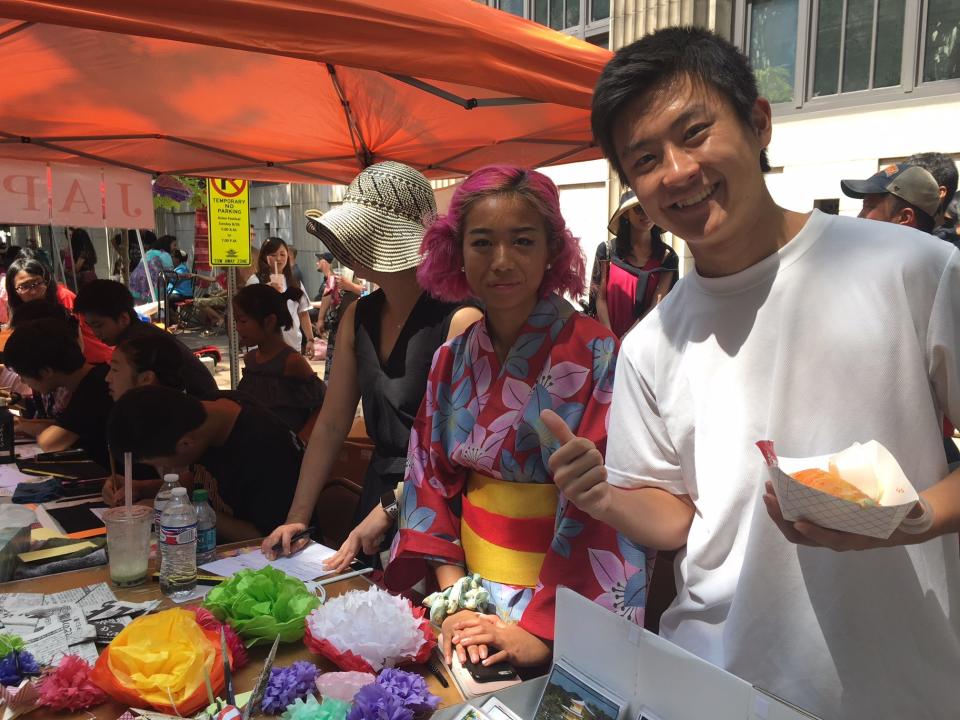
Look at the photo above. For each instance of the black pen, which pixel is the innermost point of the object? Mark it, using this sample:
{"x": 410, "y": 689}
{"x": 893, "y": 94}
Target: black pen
{"x": 433, "y": 664}
{"x": 297, "y": 537}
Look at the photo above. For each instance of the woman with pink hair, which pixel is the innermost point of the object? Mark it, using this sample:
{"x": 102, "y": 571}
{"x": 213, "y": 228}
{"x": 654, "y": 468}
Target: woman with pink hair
{"x": 478, "y": 498}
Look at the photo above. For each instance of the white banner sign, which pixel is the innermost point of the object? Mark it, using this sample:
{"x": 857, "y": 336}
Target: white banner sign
{"x": 129, "y": 200}
{"x": 24, "y": 195}
{"x": 35, "y": 193}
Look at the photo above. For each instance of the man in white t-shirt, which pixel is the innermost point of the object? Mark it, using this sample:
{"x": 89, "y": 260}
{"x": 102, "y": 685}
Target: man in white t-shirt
{"x": 812, "y": 331}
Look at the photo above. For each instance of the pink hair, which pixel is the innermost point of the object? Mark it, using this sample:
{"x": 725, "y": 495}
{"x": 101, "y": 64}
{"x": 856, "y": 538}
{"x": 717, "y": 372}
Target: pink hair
{"x": 442, "y": 246}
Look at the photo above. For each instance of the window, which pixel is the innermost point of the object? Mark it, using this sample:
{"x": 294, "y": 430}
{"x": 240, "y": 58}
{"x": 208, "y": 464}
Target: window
{"x": 514, "y": 7}
{"x": 823, "y": 53}
{"x": 941, "y": 41}
{"x": 586, "y": 17}
{"x": 859, "y": 45}
{"x": 773, "y": 47}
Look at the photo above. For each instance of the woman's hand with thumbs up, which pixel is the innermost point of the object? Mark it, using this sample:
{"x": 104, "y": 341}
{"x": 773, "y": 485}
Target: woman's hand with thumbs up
{"x": 577, "y": 468}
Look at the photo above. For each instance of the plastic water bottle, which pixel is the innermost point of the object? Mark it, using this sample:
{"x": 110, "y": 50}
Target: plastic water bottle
{"x": 206, "y": 527}
{"x": 170, "y": 481}
{"x": 178, "y": 546}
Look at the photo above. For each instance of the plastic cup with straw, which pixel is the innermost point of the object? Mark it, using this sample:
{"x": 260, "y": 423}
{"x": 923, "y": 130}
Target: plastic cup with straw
{"x": 128, "y": 534}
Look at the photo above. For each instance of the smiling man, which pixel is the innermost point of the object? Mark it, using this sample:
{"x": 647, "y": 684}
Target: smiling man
{"x": 810, "y": 330}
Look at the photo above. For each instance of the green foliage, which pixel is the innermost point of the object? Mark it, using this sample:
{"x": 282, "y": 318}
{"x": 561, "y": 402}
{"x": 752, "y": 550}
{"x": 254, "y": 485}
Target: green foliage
{"x": 775, "y": 83}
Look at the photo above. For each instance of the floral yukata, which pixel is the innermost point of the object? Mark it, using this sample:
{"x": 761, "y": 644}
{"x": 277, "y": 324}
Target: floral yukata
{"x": 478, "y": 492}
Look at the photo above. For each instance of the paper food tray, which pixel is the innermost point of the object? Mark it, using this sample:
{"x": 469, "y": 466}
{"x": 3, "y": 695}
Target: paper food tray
{"x": 801, "y": 502}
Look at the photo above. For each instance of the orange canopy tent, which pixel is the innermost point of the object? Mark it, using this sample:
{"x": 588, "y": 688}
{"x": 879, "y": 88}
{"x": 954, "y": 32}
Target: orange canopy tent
{"x": 290, "y": 90}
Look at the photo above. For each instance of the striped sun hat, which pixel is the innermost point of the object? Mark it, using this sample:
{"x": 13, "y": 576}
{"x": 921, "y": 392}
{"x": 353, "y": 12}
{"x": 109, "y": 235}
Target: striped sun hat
{"x": 381, "y": 221}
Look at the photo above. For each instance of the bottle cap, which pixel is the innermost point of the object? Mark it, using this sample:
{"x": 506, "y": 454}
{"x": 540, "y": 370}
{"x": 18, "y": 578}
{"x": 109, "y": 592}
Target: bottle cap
{"x": 178, "y": 492}
{"x": 200, "y": 495}
{"x": 171, "y": 477}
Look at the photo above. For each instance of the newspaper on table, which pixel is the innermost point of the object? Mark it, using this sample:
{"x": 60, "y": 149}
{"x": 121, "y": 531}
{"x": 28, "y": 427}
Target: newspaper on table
{"x": 68, "y": 622}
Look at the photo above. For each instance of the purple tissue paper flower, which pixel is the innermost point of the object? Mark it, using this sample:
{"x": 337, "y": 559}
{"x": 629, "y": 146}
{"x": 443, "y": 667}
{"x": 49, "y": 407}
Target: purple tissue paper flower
{"x": 12, "y": 672}
{"x": 375, "y": 702}
{"x": 287, "y": 684}
{"x": 409, "y": 688}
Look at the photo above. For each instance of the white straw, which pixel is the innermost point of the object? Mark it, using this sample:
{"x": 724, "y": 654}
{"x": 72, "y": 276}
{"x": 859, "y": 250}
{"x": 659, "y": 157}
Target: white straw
{"x": 128, "y": 479}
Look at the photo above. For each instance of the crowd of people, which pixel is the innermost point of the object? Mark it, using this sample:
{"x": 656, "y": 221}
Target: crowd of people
{"x": 520, "y": 438}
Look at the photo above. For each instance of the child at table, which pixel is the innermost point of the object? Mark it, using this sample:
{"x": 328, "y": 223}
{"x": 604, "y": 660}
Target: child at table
{"x": 274, "y": 373}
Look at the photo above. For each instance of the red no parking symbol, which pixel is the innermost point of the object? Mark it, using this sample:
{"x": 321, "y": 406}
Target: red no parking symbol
{"x": 228, "y": 188}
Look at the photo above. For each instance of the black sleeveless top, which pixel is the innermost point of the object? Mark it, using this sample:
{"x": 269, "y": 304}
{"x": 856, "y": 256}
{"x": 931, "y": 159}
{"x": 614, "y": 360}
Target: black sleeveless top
{"x": 391, "y": 392}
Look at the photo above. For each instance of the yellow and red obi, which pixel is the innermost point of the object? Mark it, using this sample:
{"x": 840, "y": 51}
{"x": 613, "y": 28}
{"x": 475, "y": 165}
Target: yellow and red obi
{"x": 506, "y": 528}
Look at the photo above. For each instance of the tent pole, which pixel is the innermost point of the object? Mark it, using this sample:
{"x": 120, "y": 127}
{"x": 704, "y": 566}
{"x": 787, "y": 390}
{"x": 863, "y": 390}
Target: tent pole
{"x": 55, "y": 259}
{"x": 106, "y": 237}
{"x": 233, "y": 342}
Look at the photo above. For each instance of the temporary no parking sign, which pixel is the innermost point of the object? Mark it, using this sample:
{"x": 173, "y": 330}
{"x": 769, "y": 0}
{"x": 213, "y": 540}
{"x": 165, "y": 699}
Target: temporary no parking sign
{"x": 229, "y": 221}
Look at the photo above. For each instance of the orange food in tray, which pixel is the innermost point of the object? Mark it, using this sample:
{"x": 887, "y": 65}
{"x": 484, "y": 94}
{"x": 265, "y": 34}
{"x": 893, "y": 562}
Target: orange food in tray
{"x": 832, "y": 484}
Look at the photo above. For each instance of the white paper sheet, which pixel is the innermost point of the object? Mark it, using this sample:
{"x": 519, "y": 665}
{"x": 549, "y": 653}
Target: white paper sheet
{"x": 305, "y": 565}
{"x": 27, "y": 451}
{"x": 10, "y": 476}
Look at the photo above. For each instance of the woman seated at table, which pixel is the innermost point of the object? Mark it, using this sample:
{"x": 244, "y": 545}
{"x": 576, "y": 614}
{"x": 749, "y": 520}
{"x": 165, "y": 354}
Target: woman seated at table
{"x": 29, "y": 280}
{"x": 478, "y": 442}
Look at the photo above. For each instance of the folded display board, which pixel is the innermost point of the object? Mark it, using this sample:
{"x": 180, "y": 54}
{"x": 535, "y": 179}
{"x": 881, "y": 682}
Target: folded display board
{"x": 658, "y": 678}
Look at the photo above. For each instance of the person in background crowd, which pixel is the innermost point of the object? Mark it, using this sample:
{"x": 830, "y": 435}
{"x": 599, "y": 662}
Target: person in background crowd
{"x": 336, "y": 295}
{"x": 254, "y": 457}
{"x": 29, "y": 280}
{"x": 47, "y": 356}
{"x": 905, "y": 195}
{"x": 384, "y": 349}
{"x": 950, "y": 230}
{"x": 944, "y": 171}
{"x": 632, "y": 274}
{"x": 156, "y": 260}
{"x": 81, "y": 260}
{"x": 478, "y": 442}
{"x": 295, "y": 268}
{"x": 810, "y": 330}
{"x": 182, "y": 289}
{"x": 133, "y": 245}
{"x": 901, "y": 194}
{"x": 273, "y": 372}
{"x": 107, "y": 307}
{"x": 322, "y": 300}
{"x": 274, "y": 268}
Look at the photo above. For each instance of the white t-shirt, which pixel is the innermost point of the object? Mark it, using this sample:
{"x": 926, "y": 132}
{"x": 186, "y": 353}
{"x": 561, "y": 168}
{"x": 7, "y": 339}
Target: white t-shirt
{"x": 850, "y": 333}
{"x": 293, "y": 336}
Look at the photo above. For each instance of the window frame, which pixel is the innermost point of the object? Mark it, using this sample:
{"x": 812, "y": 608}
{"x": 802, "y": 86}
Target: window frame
{"x": 910, "y": 88}
{"x": 583, "y": 30}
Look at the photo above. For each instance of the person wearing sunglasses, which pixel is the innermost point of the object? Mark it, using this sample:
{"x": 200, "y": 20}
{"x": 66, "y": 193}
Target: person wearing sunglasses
{"x": 633, "y": 272}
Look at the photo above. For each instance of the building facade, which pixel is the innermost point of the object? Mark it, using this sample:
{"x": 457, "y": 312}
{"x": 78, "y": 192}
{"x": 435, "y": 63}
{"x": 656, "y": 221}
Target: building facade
{"x": 855, "y": 85}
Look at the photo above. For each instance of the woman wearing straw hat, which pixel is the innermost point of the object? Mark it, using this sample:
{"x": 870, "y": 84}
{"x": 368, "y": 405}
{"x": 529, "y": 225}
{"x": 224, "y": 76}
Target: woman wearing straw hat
{"x": 479, "y": 497}
{"x": 385, "y": 343}
{"x": 633, "y": 272}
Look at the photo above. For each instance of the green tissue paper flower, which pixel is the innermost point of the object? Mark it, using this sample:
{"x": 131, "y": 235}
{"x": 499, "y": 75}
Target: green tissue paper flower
{"x": 310, "y": 709}
{"x": 9, "y": 643}
{"x": 261, "y": 604}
